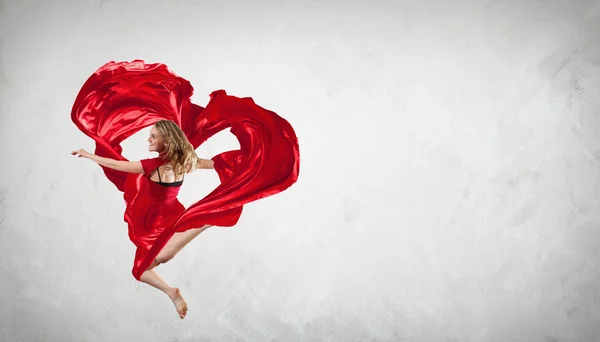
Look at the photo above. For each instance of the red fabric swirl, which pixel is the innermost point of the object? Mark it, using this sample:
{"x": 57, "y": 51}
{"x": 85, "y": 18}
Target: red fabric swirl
{"x": 119, "y": 99}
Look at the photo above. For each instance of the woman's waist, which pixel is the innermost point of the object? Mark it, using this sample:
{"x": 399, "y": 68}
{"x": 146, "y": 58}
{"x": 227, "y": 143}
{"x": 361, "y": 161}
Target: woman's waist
{"x": 159, "y": 196}
{"x": 161, "y": 192}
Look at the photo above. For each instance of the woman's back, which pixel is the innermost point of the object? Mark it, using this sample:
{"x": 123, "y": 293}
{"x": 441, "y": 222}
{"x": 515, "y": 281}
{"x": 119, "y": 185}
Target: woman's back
{"x": 160, "y": 181}
{"x": 165, "y": 176}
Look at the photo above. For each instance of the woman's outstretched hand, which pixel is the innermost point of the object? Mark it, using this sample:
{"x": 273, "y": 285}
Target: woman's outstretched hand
{"x": 81, "y": 153}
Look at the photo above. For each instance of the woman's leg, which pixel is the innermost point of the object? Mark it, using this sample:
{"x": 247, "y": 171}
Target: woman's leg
{"x": 177, "y": 242}
{"x": 173, "y": 246}
{"x": 152, "y": 278}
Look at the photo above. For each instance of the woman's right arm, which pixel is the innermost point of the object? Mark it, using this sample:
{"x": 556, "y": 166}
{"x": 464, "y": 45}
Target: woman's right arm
{"x": 205, "y": 164}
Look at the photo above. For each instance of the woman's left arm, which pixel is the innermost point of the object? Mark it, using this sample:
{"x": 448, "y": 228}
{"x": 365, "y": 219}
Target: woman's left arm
{"x": 119, "y": 165}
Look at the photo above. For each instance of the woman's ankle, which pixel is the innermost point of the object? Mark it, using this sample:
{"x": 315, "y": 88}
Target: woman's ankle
{"x": 172, "y": 292}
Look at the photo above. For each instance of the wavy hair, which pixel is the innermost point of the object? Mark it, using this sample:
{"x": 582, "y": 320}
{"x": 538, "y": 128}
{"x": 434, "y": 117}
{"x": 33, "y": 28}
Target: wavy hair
{"x": 179, "y": 151}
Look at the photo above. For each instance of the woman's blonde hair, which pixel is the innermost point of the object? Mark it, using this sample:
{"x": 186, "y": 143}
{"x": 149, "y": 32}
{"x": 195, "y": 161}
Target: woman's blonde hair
{"x": 179, "y": 151}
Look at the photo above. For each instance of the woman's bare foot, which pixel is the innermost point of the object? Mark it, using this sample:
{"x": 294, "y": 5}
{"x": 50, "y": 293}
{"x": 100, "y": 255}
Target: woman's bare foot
{"x": 179, "y": 302}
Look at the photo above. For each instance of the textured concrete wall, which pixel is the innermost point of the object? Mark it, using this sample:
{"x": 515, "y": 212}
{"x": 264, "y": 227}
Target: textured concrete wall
{"x": 449, "y": 185}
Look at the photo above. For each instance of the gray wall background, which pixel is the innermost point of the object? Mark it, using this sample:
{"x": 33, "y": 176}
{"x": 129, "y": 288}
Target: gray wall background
{"x": 449, "y": 185}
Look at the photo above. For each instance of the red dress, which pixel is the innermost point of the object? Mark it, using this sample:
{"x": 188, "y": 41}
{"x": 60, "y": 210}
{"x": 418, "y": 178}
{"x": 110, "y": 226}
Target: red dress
{"x": 119, "y": 99}
{"x": 154, "y": 208}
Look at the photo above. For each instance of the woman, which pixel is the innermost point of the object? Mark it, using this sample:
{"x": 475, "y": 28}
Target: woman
{"x": 156, "y": 206}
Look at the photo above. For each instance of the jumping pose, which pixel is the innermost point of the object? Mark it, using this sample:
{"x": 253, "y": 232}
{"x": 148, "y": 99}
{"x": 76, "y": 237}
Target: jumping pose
{"x": 156, "y": 206}
{"x": 121, "y": 98}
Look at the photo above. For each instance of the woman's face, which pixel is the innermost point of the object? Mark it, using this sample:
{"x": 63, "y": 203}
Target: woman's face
{"x": 156, "y": 142}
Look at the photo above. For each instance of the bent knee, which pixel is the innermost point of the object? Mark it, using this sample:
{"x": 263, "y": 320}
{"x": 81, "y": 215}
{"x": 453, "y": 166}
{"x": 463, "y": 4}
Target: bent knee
{"x": 165, "y": 257}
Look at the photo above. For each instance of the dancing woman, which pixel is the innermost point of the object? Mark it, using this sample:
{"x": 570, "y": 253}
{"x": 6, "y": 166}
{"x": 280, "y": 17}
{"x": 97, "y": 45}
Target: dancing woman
{"x": 156, "y": 207}
{"x": 121, "y": 98}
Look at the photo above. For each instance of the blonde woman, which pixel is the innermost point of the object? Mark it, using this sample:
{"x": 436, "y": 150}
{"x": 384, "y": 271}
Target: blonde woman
{"x": 155, "y": 206}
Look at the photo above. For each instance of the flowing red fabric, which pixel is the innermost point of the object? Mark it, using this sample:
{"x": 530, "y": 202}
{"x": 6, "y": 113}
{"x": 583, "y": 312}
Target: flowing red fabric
{"x": 121, "y": 98}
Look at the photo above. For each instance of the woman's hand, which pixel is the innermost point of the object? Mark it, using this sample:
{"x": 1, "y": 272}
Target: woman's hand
{"x": 119, "y": 165}
{"x": 81, "y": 153}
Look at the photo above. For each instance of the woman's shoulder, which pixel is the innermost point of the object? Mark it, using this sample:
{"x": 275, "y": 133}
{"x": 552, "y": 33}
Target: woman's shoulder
{"x": 155, "y": 160}
{"x": 150, "y": 164}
